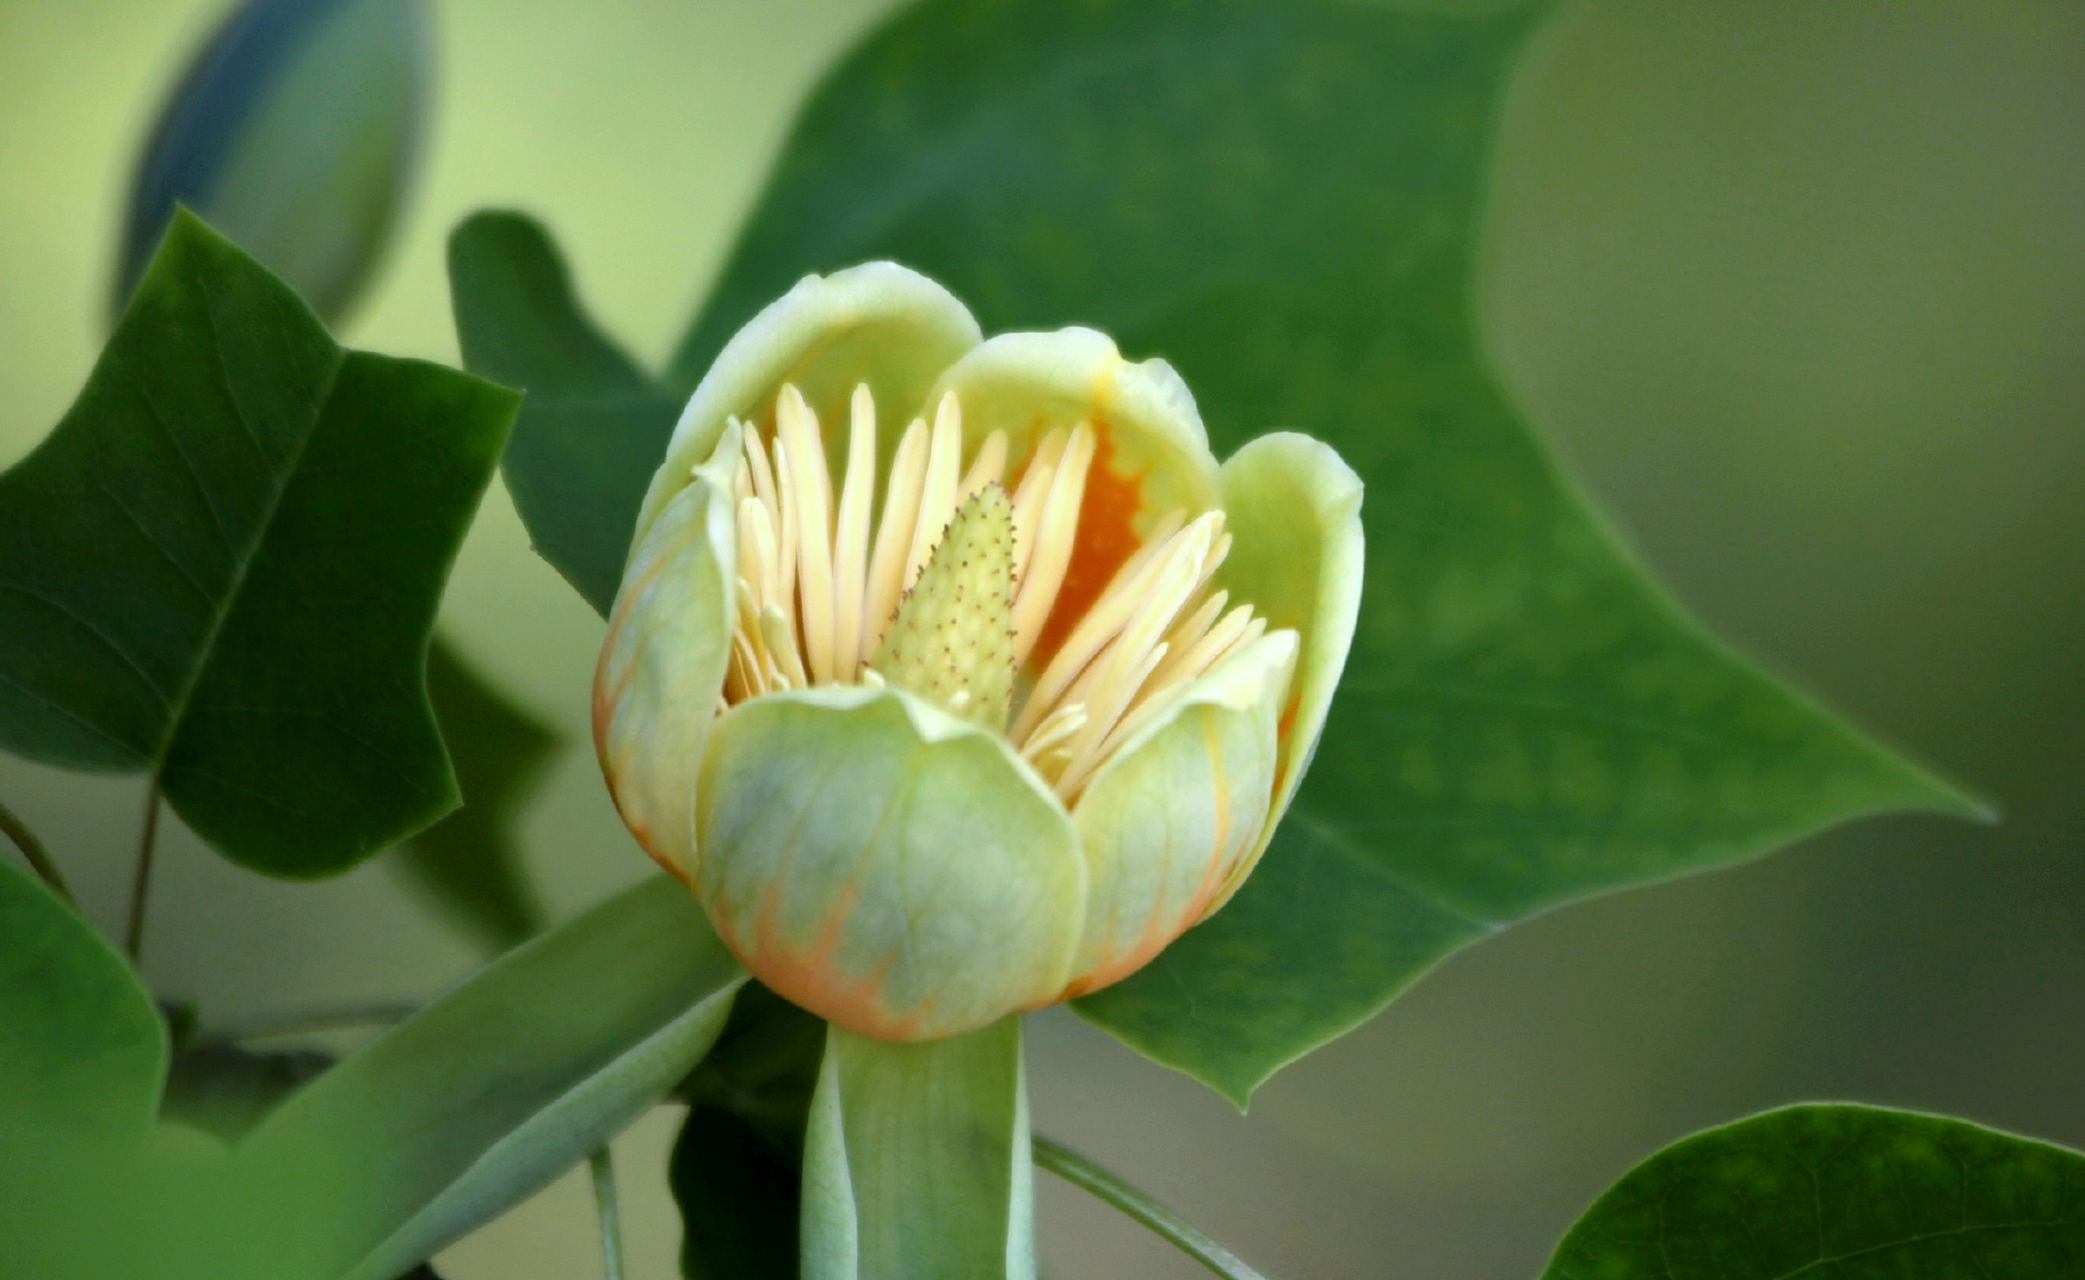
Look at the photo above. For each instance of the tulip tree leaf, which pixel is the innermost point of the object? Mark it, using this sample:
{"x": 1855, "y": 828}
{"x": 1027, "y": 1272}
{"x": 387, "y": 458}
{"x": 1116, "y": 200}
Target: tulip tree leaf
{"x": 1284, "y": 201}
{"x": 223, "y": 565}
{"x": 737, "y": 1168}
{"x": 493, "y": 1091}
{"x": 1837, "y": 1193}
{"x": 916, "y": 1160}
{"x": 738, "y": 1192}
{"x": 467, "y": 864}
{"x": 225, "y": 1091}
{"x": 82, "y": 1051}
{"x": 83, "y": 1047}
{"x": 593, "y": 427}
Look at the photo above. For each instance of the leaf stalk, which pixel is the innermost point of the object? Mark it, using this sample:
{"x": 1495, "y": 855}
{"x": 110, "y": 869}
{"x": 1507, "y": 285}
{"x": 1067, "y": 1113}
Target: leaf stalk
{"x": 1098, "y": 1182}
{"x": 33, "y": 852}
{"x": 602, "y": 1164}
{"x": 141, "y": 881}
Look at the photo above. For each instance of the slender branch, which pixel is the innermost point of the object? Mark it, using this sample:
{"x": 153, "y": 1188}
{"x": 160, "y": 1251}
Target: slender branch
{"x": 33, "y": 851}
{"x": 603, "y": 1166}
{"x": 141, "y": 883}
{"x": 1091, "y": 1178}
{"x": 310, "y": 1020}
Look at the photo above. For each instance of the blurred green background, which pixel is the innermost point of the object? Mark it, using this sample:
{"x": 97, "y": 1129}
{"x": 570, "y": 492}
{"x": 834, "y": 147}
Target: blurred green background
{"x": 1799, "y": 291}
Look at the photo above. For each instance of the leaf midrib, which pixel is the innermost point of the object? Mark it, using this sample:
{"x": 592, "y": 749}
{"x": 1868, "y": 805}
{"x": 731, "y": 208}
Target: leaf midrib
{"x": 242, "y": 558}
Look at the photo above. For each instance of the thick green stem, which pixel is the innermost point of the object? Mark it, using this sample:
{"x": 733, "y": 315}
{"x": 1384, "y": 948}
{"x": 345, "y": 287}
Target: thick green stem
{"x": 33, "y": 850}
{"x": 603, "y": 1166}
{"x": 1091, "y": 1178}
{"x": 141, "y": 882}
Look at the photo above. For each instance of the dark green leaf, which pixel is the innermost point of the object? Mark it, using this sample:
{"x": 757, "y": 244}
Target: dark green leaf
{"x": 739, "y": 1193}
{"x": 225, "y": 1090}
{"x": 738, "y": 1166}
{"x": 224, "y": 564}
{"x": 764, "y": 1066}
{"x": 491, "y": 1092}
{"x": 1285, "y": 200}
{"x": 594, "y": 426}
{"x": 468, "y": 864}
{"x": 1838, "y": 1193}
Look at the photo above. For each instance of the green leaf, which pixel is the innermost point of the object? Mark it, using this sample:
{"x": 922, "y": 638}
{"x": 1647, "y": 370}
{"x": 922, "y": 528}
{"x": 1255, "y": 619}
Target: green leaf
{"x": 82, "y": 1047}
{"x": 82, "y": 1050}
{"x": 223, "y": 566}
{"x": 225, "y": 1091}
{"x": 739, "y": 1194}
{"x": 468, "y": 864}
{"x": 916, "y": 1165}
{"x": 492, "y": 1091}
{"x": 1838, "y": 1193}
{"x": 593, "y": 427}
{"x": 737, "y": 1168}
{"x": 1285, "y": 201}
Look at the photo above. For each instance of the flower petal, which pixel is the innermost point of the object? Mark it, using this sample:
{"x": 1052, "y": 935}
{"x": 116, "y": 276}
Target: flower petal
{"x": 877, "y": 323}
{"x": 663, "y": 663}
{"x": 1151, "y": 435}
{"x": 1172, "y": 822}
{"x": 1294, "y": 512}
{"x": 889, "y": 867}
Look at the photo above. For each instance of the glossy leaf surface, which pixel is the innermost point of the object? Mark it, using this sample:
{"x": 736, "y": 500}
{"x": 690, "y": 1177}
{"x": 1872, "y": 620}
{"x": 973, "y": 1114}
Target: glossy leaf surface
{"x": 1838, "y": 1193}
{"x": 468, "y": 865}
{"x": 492, "y": 1091}
{"x": 593, "y": 426}
{"x": 223, "y": 566}
{"x": 1285, "y": 200}
{"x": 916, "y": 1163}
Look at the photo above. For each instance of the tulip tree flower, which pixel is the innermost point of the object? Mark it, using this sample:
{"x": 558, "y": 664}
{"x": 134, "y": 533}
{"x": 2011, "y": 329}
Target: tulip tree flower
{"x": 954, "y": 675}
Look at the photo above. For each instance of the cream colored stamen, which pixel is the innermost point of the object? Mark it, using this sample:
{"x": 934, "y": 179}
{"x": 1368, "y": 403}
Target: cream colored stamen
{"x": 817, "y": 593}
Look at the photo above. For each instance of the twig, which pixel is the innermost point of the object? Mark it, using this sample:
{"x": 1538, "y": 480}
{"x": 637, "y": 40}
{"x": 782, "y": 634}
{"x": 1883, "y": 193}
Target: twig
{"x": 141, "y": 883}
{"x": 603, "y": 1166}
{"x": 1091, "y": 1178}
{"x": 33, "y": 851}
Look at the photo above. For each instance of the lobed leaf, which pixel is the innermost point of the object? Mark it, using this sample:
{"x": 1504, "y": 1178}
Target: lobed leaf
{"x": 1286, "y": 202}
{"x": 223, "y": 566}
{"x": 467, "y": 865}
{"x": 593, "y": 427}
{"x": 1838, "y": 1193}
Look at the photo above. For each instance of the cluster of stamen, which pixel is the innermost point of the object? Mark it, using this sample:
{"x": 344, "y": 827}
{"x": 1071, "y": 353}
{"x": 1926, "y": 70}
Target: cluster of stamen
{"x": 952, "y": 596}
